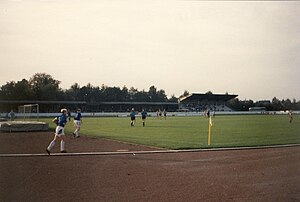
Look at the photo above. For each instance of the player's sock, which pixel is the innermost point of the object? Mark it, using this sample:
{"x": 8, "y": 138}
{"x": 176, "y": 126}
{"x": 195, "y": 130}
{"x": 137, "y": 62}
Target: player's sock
{"x": 62, "y": 145}
{"x": 51, "y": 145}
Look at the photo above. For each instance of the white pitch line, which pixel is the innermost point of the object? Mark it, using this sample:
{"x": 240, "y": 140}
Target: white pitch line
{"x": 148, "y": 152}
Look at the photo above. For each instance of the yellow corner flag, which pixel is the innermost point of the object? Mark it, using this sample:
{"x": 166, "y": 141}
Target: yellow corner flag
{"x": 210, "y": 123}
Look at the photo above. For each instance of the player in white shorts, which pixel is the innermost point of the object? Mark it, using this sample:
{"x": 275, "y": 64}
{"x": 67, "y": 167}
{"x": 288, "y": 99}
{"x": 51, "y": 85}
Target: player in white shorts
{"x": 77, "y": 123}
{"x": 60, "y": 121}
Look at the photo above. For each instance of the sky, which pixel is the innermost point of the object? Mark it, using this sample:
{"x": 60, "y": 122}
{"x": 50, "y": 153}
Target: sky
{"x": 248, "y": 48}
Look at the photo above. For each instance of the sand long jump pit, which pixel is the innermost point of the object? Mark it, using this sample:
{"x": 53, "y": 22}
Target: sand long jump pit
{"x": 23, "y": 126}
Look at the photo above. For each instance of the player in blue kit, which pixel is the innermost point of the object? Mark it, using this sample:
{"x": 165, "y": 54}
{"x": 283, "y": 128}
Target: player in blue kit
{"x": 60, "y": 121}
{"x": 77, "y": 123}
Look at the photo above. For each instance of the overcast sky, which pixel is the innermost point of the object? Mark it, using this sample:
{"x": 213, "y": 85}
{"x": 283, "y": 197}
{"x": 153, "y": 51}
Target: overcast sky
{"x": 247, "y": 48}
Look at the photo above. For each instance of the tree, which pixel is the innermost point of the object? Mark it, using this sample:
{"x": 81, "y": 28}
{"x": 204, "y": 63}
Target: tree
{"x": 152, "y": 93}
{"x": 276, "y": 104}
{"x": 7, "y": 90}
{"x": 142, "y": 96}
{"x": 125, "y": 93}
{"x": 162, "y": 97}
{"x": 287, "y": 104}
{"x": 44, "y": 87}
{"x": 132, "y": 94}
{"x": 72, "y": 93}
{"x": 173, "y": 98}
{"x": 185, "y": 93}
{"x": 23, "y": 90}
{"x": 246, "y": 104}
{"x": 156, "y": 96}
{"x": 16, "y": 91}
{"x": 89, "y": 93}
{"x": 235, "y": 104}
{"x": 113, "y": 94}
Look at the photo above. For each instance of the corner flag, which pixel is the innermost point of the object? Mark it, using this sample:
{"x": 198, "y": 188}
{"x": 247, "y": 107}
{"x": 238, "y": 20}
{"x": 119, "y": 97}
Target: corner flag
{"x": 210, "y": 123}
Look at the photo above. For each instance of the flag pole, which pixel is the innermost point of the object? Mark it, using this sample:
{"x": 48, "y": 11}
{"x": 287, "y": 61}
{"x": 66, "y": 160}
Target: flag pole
{"x": 209, "y": 126}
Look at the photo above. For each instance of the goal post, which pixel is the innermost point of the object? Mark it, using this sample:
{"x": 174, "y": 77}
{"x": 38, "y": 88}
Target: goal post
{"x": 29, "y": 111}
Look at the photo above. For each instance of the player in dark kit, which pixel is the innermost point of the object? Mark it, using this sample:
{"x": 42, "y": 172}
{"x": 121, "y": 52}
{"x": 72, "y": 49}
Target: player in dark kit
{"x": 77, "y": 123}
{"x": 165, "y": 114}
{"x": 69, "y": 115}
{"x": 60, "y": 121}
{"x": 144, "y": 115}
{"x": 132, "y": 117}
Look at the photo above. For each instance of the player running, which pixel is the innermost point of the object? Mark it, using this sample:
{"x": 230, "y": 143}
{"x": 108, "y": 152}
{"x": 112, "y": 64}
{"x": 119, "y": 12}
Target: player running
{"x": 144, "y": 115}
{"x": 132, "y": 117}
{"x": 77, "y": 123}
{"x": 60, "y": 121}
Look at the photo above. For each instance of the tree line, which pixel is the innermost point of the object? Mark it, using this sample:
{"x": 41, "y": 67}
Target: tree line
{"x": 42, "y": 86}
{"x": 273, "y": 105}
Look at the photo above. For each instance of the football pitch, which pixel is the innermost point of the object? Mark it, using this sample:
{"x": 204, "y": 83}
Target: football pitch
{"x": 192, "y": 132}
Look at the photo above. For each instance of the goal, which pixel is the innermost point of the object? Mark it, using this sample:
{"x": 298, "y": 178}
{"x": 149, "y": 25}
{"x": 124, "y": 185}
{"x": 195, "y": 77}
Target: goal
{"x": 29, "y": 111}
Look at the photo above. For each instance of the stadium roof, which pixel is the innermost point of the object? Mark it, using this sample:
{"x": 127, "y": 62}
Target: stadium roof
{"x": 207, "y": 97}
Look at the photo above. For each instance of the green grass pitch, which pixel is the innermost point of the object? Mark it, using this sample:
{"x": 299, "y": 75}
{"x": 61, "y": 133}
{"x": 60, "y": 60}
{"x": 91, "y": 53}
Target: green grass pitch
{"x": 191, "y": 132}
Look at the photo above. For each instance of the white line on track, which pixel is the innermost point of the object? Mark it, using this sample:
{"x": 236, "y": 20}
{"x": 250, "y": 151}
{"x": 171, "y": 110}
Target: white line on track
{"x": 147, "y": 152}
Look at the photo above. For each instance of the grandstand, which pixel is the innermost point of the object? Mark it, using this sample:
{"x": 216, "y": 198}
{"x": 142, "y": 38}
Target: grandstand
{"x": 201, "y": 102}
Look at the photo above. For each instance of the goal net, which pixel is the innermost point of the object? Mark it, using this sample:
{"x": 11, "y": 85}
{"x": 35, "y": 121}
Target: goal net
{"x": 29, "y": 111}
